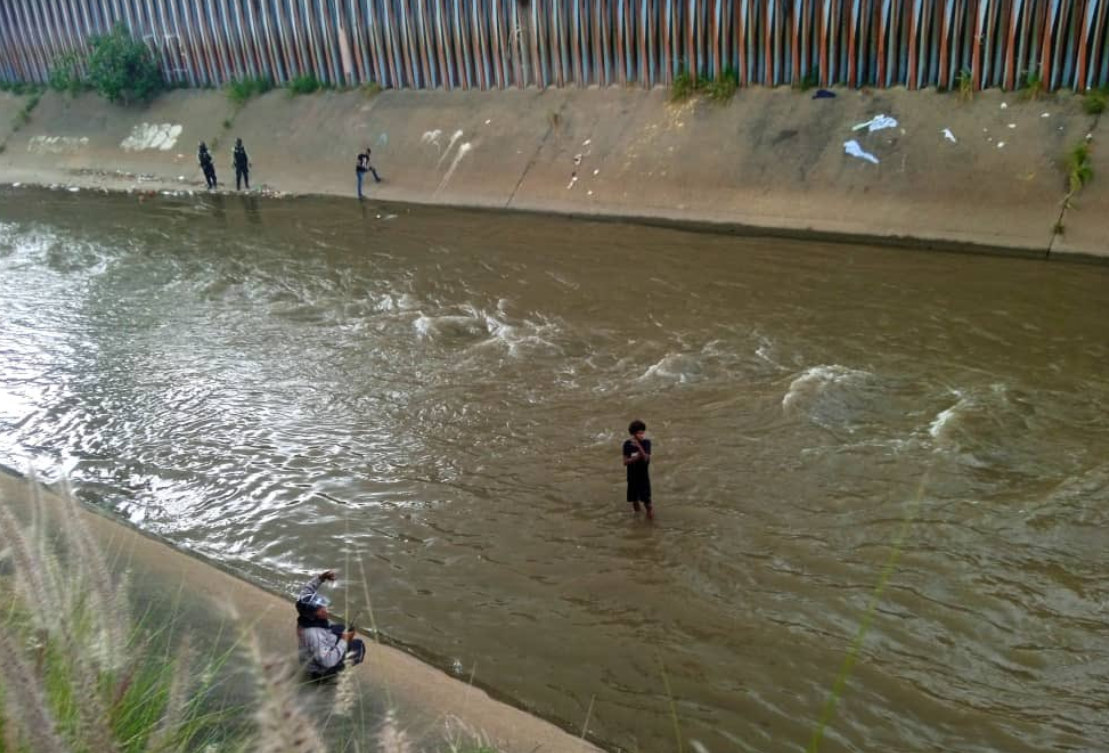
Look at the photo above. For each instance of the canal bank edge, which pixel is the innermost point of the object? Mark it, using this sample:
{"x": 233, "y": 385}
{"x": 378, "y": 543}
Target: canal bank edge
{"x": 984, "y": 175}
{"x": 424, "y": 696}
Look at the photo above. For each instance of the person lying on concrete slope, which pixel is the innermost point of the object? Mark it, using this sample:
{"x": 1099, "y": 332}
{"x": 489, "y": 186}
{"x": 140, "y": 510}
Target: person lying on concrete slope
{"x": 323, "y": 647}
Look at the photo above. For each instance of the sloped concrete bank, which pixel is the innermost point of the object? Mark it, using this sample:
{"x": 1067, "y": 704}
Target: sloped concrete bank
{"x": 982, "y": 175}
{"x": 208, "y": 604}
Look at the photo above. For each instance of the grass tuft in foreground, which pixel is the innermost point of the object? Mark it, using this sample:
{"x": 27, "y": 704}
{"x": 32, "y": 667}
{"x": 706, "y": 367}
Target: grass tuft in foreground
{"x": 82, "y": 673}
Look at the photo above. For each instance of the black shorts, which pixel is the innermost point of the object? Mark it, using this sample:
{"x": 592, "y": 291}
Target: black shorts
{"x": 639, "y": 491}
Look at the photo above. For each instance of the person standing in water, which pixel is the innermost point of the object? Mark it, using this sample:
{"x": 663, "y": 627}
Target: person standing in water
{"x": 242, "y": 166}
{"x": 637, "y": 460}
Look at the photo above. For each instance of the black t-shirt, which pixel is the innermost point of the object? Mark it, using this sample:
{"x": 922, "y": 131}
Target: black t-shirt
{"x": 363, "y": 162}
{"x": 638, "y": 469}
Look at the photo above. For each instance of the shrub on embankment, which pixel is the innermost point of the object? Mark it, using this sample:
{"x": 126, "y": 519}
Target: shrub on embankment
{"x": 1080, "y": 169}
{"x": 1095, "y": 101}
{"x": 117, "y": 66}
{"x": 241, "y": 90}
{"x": 20, "y": 88}
{"x": 304, "y": 84}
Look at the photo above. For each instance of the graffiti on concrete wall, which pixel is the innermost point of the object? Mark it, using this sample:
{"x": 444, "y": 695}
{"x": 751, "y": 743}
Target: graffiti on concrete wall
{"x": 145, "y": 136}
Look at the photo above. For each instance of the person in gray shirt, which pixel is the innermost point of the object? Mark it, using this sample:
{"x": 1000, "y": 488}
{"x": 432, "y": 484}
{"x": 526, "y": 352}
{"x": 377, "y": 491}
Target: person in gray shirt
{"x": 323, "y": 647}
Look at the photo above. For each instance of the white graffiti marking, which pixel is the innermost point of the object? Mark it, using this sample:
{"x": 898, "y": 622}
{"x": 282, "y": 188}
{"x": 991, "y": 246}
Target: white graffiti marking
{"x": 432, "y": 137}
{"x": 463, "y": 150}
{"x": 152, "y": 136}
{"x": 57, "y": 144}
{"x": 454, "y": 137}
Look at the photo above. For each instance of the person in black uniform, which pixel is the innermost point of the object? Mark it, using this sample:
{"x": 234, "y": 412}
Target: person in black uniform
{"x": 242, "y": 166}
{"x": 637, "y": 459}
{"x": 207, "y": 165}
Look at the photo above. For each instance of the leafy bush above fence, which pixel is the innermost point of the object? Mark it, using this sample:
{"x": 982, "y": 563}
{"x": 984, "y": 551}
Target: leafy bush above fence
{"x": 122, "y": 68}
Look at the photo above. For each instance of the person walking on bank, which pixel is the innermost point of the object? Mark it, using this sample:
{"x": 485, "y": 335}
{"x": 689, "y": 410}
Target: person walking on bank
{"x": 207, "y": 165}
{"x": 361, "y": 167}
{"x": 242, "y": 166}
{"x": 323, "y": 647}
{"x": 637, "y": 459}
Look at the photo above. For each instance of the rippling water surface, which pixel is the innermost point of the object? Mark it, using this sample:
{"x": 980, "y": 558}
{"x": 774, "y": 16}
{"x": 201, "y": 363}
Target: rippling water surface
{"x": 434, "y": 401}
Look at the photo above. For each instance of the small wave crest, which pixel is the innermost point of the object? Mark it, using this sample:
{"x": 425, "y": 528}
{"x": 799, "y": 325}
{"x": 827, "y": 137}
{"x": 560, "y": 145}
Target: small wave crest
{"x": 948, "y": 419}
{"x": 997, "y": 427}
{"x": 838, "y": 397}
{"x": 451, "y": 327}
{"x": 477, "y": 327}
{"x": 676, "y": 367}
{"x": 820, "y": 380}
{"x": 38, "y": 246}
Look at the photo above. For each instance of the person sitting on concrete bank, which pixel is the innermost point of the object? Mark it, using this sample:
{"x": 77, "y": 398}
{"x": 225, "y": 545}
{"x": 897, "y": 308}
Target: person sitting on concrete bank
{"x": 361, "y": 167}
{"x": 207, "y": 165}
{"x": 242, "y": 166}
{"x": 323, "y": 647}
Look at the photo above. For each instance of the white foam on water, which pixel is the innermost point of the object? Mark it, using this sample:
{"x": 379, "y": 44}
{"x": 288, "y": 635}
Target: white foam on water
{"x": 677, "y": 367}
{"x": 938, "y": 429}
{"x": 457, "y": 326}
{"x": 526, "y": 337}
{"x": 815, "y": 380}
{"x": 477, "y": 328}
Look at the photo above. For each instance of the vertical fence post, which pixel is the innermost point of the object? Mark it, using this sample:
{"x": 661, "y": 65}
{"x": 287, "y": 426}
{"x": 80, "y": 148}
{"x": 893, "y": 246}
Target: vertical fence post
{"x": 516, "y": 43}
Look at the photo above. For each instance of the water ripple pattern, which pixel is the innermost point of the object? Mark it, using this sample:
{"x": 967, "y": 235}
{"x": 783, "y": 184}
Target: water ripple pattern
{"x": 437, "y": 399}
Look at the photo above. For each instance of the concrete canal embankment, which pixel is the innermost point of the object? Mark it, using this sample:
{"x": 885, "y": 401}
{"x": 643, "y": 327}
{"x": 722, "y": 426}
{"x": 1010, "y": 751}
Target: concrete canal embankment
{"x": 986, "y": 175}
{"x": 434, "y": 708}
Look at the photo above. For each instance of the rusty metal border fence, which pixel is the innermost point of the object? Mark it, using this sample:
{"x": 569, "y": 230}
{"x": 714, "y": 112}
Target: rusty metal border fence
{"x": 498, "y": 44}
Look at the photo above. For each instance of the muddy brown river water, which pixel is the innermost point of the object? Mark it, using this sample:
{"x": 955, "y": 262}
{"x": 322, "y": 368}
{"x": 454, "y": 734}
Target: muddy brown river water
{"x": 434, "y": 401}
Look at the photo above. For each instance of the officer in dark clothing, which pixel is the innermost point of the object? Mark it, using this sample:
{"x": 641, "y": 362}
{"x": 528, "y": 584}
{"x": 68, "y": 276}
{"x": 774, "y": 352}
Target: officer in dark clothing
{"x": 204, "y": 157}
{"x": 242, "y": 166}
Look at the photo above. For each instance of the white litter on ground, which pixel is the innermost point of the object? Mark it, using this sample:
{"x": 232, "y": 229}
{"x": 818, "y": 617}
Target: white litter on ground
{"x": 947, "y": 134}
{"x": 852, "y": 147}
{"x": 877, "y": 123}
